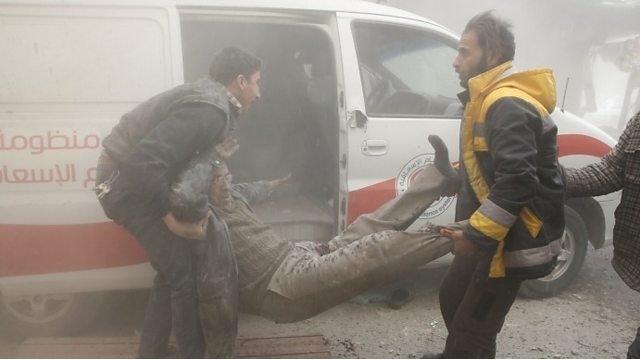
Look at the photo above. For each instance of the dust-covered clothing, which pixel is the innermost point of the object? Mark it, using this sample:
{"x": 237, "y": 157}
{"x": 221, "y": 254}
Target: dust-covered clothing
{"x": 258, "y": 249}
{"x": 371, "y": 252}
{"x": 141, "y": 157}
{"x": 217, "y": 284}
{"x": 152, "y": 143}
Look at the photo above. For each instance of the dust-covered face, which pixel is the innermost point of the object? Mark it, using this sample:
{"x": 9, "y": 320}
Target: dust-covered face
{"x": 220, "y": 190}
{"x": 249, "y": 89}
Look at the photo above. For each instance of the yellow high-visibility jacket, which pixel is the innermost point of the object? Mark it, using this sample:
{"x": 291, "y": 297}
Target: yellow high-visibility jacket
{"x": 512, "y": 193}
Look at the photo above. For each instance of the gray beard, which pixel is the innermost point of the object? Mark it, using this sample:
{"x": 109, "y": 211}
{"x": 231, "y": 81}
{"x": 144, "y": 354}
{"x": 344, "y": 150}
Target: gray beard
{"x": 225, "y": 203}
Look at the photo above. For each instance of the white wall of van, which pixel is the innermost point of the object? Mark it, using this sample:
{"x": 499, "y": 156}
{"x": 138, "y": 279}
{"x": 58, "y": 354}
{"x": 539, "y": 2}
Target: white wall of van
{"x": 70, "y": 69}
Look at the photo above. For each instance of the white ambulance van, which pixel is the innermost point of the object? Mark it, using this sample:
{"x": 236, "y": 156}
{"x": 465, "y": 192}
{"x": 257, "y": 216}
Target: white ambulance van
{"x": 350, "y": 92}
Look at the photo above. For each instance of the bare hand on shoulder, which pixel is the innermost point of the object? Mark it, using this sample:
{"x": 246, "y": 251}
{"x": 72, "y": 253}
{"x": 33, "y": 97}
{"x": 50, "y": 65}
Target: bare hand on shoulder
{"x": 227, "y": 147}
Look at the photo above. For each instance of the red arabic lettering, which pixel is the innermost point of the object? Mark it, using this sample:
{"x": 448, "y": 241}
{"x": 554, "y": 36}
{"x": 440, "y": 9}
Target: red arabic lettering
{"x": 30, "y": 176}
{"x": 90, "y": 177}
{"x": 51, "y": 140}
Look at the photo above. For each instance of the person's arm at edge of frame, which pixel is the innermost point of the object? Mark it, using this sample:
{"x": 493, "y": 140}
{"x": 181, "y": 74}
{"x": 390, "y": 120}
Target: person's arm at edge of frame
{"x": 604, "y": 176}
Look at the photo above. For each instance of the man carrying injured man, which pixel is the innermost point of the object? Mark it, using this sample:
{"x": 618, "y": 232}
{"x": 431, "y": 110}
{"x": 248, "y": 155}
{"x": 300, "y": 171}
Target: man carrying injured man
{"x": 289, "y": 282}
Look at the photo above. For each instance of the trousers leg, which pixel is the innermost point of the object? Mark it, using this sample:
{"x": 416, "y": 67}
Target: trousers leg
{"x": 634, "y": 348}
{"x": 400, "y": 212}
{"x": 174, "y": 260}
{"x": 475, "y": 319}
{"x": 217, "y": 283}
{"x": 454, "y": 286}
{"x": 156, "y": 327}
{"x": 307, "y": 283}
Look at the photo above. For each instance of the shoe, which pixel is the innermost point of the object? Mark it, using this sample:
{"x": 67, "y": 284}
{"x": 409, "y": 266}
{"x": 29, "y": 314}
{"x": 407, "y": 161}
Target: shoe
{"x": 426, "y": 355}
{"x": 400, "y": 297}
{"x": 442, "y": 162}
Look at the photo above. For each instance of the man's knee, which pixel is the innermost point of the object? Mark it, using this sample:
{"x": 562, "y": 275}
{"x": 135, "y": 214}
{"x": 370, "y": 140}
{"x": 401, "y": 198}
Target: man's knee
{"x": 179, "y": 271}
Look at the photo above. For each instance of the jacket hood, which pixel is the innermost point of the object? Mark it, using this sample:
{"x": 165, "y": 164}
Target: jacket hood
{"x": 538, "y": 83}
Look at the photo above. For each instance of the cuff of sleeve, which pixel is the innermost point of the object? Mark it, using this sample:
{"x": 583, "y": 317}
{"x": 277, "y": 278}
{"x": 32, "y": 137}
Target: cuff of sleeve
{"x": 266, "y": 188}
{"x": 492, "y": 220}
{"x": 483, "y": 242}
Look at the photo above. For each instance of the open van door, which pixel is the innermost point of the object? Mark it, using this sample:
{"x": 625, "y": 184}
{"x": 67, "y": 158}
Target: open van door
{"x": 400, "y": 87}
{"x": 69, "y": 71}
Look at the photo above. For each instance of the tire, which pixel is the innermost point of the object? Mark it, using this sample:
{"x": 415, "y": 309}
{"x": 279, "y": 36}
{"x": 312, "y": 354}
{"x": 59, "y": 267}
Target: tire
{"x": 574, "y": 250}
{"x": 48, "y": 315}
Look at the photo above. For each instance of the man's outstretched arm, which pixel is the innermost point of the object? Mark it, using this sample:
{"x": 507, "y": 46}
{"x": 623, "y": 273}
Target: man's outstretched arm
{"x": 259, "y": 191}
{"x": 605, "y": 176}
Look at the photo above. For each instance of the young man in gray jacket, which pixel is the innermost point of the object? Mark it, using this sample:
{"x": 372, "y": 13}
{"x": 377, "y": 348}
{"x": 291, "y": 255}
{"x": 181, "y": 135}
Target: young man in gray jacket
{"x": 142, "y": 156}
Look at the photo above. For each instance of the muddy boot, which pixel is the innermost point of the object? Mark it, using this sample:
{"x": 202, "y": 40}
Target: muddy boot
{"x": 443, "y": 164}
{"x": 429, "y": 185}
{"x": 425, "y": 355}
{"x": 400, "y": 297}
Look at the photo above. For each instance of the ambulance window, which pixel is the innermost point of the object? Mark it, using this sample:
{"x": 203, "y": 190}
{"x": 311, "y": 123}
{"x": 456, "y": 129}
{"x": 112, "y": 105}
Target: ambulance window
{"x": 406, "y": 72}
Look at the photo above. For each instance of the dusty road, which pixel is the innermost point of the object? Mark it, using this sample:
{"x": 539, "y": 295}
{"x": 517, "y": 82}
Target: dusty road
{"x": 595, "y": 318}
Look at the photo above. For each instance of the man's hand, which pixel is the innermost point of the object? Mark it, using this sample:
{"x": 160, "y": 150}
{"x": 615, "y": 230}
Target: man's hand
{"x": 323, "y": 249}
{"x": 279, "y": 182}
{"x": 227, "y": 147}
{"x": 461, "y": 245}
{"x": 195, "y": 231}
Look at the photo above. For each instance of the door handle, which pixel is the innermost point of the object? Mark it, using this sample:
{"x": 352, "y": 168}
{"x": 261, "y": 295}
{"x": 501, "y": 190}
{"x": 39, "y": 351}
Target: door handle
{"x": 374, "y": 147}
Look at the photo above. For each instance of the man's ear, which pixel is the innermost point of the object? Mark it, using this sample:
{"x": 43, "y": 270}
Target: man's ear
{"x": 241, "y": 81}
{"x": 493, "y": 59}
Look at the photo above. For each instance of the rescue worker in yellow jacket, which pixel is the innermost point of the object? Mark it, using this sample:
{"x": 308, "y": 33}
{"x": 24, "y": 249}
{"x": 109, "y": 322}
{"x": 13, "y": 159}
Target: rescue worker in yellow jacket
{"x": 511, "y": 198}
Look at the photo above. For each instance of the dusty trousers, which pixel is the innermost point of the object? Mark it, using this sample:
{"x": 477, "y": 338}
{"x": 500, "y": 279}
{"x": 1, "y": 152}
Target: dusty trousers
{"x": 474, "y": 306}
{"x": 371, "y": 252}
{"x": 173, "y": 300}
{"x": 217, "y": 284}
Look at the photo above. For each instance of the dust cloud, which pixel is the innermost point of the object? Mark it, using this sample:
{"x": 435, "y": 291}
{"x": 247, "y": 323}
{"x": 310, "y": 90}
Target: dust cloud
{"x": 595, "y": 44}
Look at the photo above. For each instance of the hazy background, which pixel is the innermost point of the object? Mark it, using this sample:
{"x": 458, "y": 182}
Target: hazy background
{"x": 589, "y": 41}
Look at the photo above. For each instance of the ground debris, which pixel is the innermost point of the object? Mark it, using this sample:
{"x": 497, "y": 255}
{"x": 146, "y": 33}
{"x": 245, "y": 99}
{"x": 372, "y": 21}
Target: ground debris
{"x": 348, "y": 347}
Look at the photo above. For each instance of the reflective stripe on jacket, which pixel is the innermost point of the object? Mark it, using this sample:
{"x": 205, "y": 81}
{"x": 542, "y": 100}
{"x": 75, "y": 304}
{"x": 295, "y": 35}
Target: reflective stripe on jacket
{"x": 513, "y": 197}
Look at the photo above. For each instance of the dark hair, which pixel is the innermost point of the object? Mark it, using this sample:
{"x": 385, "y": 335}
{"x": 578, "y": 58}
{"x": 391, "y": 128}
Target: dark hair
{"x": 494, "y": 35}
{"x": 232, "y": 61}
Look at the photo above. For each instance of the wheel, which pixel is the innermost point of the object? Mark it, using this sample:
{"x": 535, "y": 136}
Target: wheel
{"x": 47, "y": 315}
{"x": 574, "y": 249}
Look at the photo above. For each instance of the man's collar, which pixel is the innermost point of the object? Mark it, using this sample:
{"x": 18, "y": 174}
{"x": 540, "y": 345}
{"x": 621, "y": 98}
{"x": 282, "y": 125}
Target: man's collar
{"x": 464, "y": 97}
{"x": 484, "y": 81}
{"x": 235, "y": 104}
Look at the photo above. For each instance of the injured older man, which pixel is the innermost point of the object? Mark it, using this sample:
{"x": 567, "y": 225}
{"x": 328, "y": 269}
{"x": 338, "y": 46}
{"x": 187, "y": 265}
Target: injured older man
{"x": 288, "y": 282}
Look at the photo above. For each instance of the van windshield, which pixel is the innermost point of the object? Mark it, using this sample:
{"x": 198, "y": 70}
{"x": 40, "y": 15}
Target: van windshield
{"x": 406, "y": 72}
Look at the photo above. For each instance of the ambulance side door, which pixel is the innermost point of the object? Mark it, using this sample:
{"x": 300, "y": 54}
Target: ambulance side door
{"x": 400, "y": 87}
